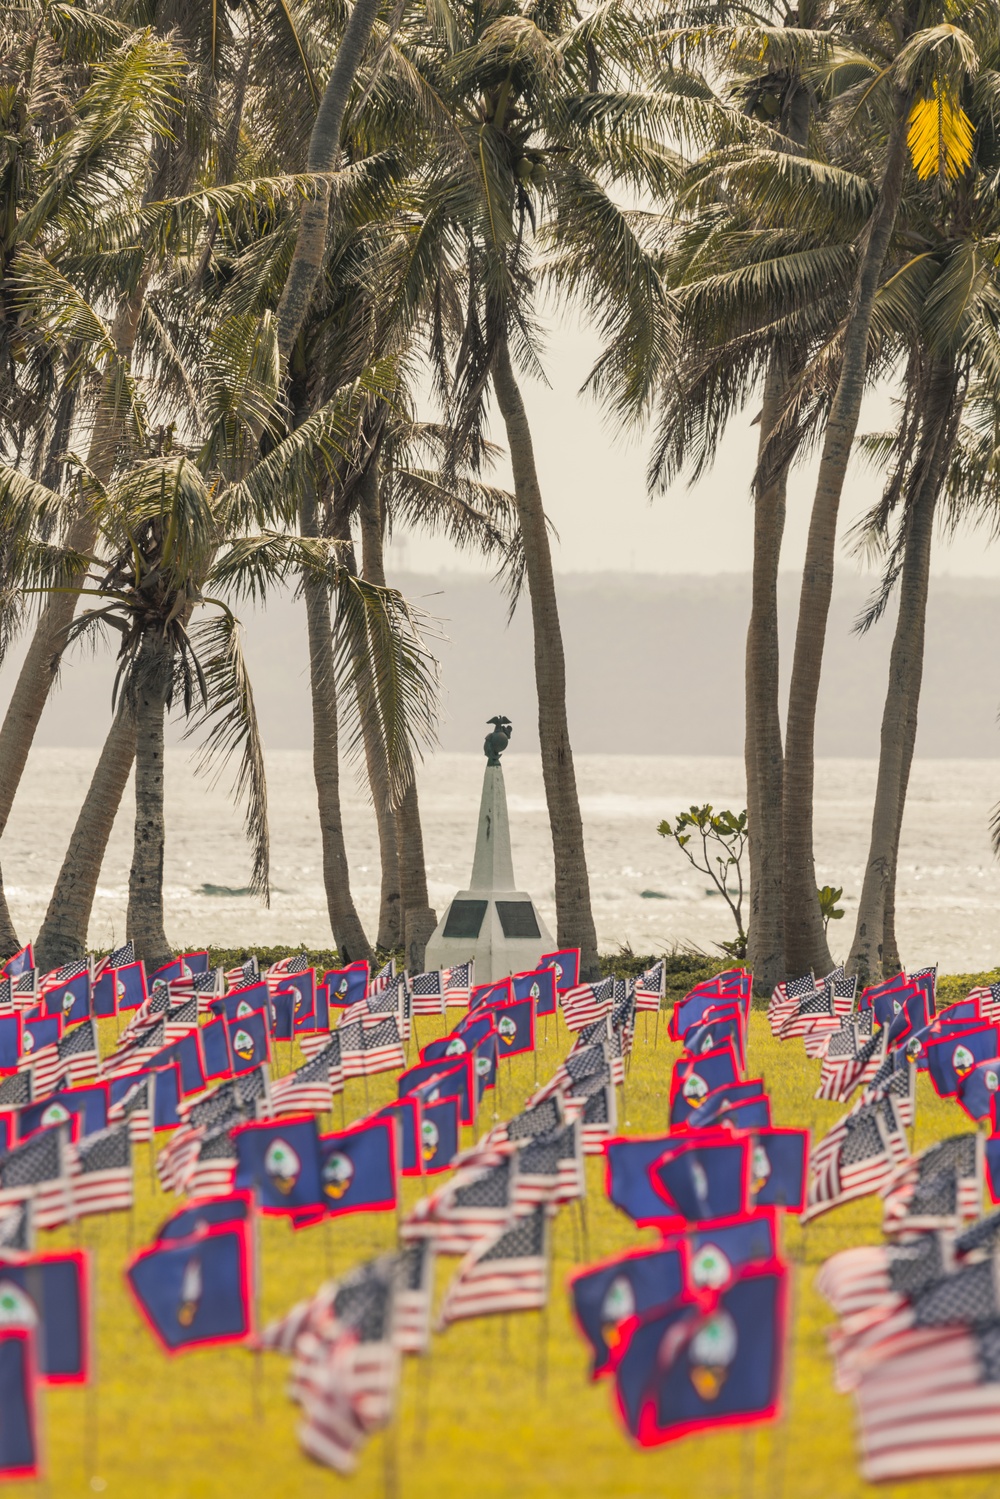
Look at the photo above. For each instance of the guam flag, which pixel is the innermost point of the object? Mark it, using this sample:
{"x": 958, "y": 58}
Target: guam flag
{"x": 187, "y": 1054}
{"x": 447, "y": 1079}
{"x": 540, "y": 985}
{"x": 196, "y": 1291}
{"x": 280, "y": 1161}
{"x": 718, "y": 1105}
{"x": 243, "y": 1001}
{"x": 565, "y": 964}
{"x": 610, "y": 1293}
{"x": 406, "y": 1113}
{"x": 129, "y": 986}
{"x": 439, "y": 1134}
{"x": 979, "y": 1088}
{"x": 446, "y": 1047}
{"x": 249, "y": 1043}
{"x": 89, "y": 1105}
{"x": 216, "y": 1057}
{"x": 358, "y": 1167}
{"x": 71, "y": 1000}
{"x": 53, "y": 1291}
{"x": 207, "y": 1212}
{"x": 345, "y": 986}
{"x": 779, "y": 1168}
{"x": 515, "y": 1027}
{"x": 303, "y": 986}
{"x": 694, "y": 1078}
{"x": 693, "y": 1365}
{"x": 166, "y": 1096}
{"x": 719, "y": 1024}
{"x": 283, "y": 1014}
{"x": 10, "y": 1042}
{"x": 951, "y": 1059}
{"x": 19, "y": 963}
{"x": 627, "y": 1180}
{"x": 704, "y": 1175}
{"x": 18, "y": 1430}
{"x": 500, "y": 992}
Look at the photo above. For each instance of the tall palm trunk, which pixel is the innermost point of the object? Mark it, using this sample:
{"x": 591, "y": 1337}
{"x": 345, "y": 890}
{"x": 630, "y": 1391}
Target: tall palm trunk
{"x": 417, "y": 916}
{"x": 41, "y": 662}
{"x": 868, "y": 952}
{"x": 144, "y": 923}
{"x": 574, "y": 917}
{"x": 324, "y": 153}
{"x": 763, "y": 749}
{"x": 348, "y": 933}
{"x": 390, "y": 913}
{"x": 805, "y": 940}
{"x": 63, "y": 935}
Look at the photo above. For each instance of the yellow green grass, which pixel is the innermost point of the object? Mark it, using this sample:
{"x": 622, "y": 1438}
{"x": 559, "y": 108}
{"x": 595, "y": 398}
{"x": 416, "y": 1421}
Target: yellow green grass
{"x": 473, "y": 1419}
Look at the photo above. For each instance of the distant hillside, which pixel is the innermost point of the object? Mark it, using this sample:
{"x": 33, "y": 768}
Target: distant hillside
{"x": 655, "y": 665}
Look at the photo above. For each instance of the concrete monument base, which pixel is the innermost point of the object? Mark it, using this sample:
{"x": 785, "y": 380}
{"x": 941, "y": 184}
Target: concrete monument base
{"x": 492, "y": 922}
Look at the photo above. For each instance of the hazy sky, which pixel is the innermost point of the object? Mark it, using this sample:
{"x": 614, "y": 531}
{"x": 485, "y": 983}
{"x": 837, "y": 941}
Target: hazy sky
{"x": 594, "y": 488}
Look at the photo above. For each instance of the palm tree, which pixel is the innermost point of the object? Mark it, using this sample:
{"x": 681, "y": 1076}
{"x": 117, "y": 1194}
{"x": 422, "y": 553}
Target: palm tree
{"x": 917, "y": 76}
{"x": 536, "y": 116}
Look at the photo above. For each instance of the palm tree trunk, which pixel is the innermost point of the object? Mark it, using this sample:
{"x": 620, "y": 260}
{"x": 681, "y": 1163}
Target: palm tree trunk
{"x": 63, "y": 935}
{"x": 868, "y": 951}
{"x": 805, "y": 940}
{"x": 390, "y": 915}
{"x": 324, "y": 152}
{"x": 144, "y": 922}
{"x": 41, "y": 662}
{"x": 348, "y": 933}
{"x": 574, "y": 917}
{"x": 764, "y": 760}
{"x": 9, "y": 943}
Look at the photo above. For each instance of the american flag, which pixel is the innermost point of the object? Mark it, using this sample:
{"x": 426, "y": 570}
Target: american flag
{"x": 809, "y": 1009}
{"x": 427, "y": 990}
{"x": 76, "y": 1060}
{"x": 6, "y": 996}
{"x": 381, "y": 1048}
{"x": 988, "y": 996}
{"x": 509, "y": 1274}
{"x": 36, "y": 1169}
{"x": 856, "y": 1158}
{"x": 345, "y": 1372}
{"x": 142, "y": 1047}
{"x": 176, "y": 1160}
{"x": 307, "y": 1090}
{"x": 599, "y": 1120}
{"x": 15, "y": 1091}
{"x": 539, "y": 1118}
{"x": 414, "y": 1295}
{"x": 550, "y": 1169}
{"x": 939, "y": 1188}
{"x": 214, "y": 1167}
{"x": 243, "y": 974}
{"x": 785, "y": 999}
{"x": 297, "y": 963}
{"x": 464, "y": 1211}
{"x": 326, "y": 1044}
{"x": 651, "y": 987}
{"x": 458, "y": 984}
{"x": 154, "y": 1005}
{"x": 383, "y": 978}
{"x": 181, "y": 1019}
{"x": 136, "y": 1106}
{"x": 352, "y": 1048}
{"x": 17, "y": 1228}
{"x": 101, "y": 1179}
{"x": 930, "y": 1404}
{"x": 880, "y": 1275}
{"x": 842, "y": 989}
{"x": 896, "y": 1078}
{"x": 587, "y": 1003}
{"x": 58, "y": 976}
{"x": 851, "y": 1059}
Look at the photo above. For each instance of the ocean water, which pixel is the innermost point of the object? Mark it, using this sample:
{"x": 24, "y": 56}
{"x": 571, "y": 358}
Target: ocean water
{"x": 644, "y": 893}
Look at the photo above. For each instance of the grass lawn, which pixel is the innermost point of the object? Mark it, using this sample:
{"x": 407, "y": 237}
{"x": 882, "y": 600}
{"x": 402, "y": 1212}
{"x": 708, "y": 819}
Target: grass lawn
{"x": 473, "y": 1419}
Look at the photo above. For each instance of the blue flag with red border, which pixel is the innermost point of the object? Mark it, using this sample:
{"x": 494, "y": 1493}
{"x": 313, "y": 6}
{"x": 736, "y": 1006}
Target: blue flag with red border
{"x": 197, "y": 1291}
{"x": 279, "y": 1160}
{"x": 18, "y": 1427}
{"x": 358, "y": 1167}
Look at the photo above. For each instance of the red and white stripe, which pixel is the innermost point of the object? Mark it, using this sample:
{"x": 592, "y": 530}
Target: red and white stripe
{"x": 581, "y": 1006}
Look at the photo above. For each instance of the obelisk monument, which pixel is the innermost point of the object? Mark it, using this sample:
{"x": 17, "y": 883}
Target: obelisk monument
{"x": 492, "y": 922}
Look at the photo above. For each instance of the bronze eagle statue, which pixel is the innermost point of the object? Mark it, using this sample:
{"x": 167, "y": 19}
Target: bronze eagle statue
{"x": 495, "y": 743}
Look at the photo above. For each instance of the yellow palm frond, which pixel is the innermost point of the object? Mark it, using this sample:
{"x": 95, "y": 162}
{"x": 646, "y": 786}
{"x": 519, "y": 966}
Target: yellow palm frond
{"x": 940, "y": 137}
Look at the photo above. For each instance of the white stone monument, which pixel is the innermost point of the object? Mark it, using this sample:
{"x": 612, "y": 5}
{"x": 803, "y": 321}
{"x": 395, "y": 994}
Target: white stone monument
{"x": 492, "y": 922}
